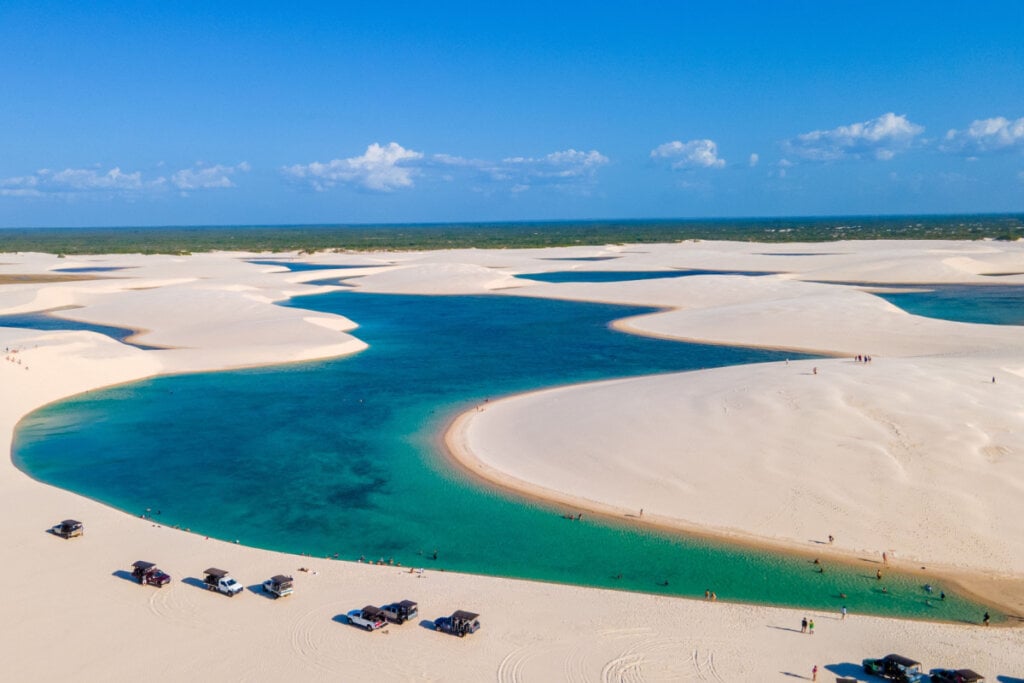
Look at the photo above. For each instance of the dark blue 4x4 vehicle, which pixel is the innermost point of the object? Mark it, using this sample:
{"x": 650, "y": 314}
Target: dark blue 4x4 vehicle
{"x": 459, "y": 623}
{"x": 895, "y": 668}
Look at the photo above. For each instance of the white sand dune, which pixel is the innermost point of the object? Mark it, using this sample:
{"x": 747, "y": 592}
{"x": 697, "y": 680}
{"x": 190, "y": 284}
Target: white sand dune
{"x": 917, "y": 452}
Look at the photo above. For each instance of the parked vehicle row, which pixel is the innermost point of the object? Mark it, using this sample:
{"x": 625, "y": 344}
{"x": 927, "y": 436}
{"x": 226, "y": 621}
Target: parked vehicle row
{"x": 906, "y": 670}
{"x": 371, "y": 618}
{"x": 219, "y": 580}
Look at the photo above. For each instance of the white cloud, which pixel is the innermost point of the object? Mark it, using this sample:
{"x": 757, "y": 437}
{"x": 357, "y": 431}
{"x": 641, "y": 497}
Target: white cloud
{"x": 77, "y": 181}
{"x": 699, "y": 153}
{"x": 207, "y": 177}
{"x": 80, "y": 182}
{"x": 392, "y": 167}
{"x": 562, "y": 165}
{"x": 754, "y": 159}
{"x": 881, "y": 138}
{"x": 986, "y": 135}
{"x": 381, "y": 168}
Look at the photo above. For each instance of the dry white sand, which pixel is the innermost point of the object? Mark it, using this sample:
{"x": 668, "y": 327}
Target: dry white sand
{"x": 781, "y": 455}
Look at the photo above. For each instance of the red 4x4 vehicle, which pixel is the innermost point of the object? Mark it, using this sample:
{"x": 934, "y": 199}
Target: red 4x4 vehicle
{"x": 148, "y": 573}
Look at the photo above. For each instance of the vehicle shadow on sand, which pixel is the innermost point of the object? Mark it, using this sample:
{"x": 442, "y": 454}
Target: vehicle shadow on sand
{"x": 257, "y": 589}
{"x": 848, "y": 670}
{"x": 1009, "y": 679}
{"x": 341, "y": 619}
{"x": 428, "y": 624}
{"x": 127, "y": 576}
{"x": 194, "y": 582}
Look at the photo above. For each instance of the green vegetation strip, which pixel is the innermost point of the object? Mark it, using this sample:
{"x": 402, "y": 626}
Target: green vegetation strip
{"x": 311, "y": 238}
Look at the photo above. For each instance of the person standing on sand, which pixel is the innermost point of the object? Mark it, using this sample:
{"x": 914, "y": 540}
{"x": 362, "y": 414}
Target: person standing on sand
{"x": 843, "y": 612}
{"x": 810, "y": 627}
{"x": 814, "y": 673}
{"x": 803, "y": 625}
{"x": 986, "y": 618}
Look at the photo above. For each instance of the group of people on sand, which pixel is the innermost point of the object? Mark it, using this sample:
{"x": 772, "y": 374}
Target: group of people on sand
{"x": 863, "y": 359}
{"x": 710, "y": 595}
{"x": 807, "y": 626}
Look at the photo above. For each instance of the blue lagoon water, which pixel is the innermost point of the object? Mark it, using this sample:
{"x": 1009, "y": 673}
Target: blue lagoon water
{"x": 47, "y": 321}
{"x": 300, "y": 266}
{"x": 343, "y": 456}
{"x": 629, "y": 275}
{"x": 986, "y": 304}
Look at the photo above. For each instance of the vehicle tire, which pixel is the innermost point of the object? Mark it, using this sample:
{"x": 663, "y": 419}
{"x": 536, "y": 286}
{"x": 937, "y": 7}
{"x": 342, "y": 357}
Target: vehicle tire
{"x": 462, "y": 634}
{"x": 437, "y": 628}
{"x": 369, "y": 627}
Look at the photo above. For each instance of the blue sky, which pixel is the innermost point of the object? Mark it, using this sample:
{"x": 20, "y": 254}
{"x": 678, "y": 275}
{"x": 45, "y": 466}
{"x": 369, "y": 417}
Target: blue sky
{"x": 264, "y": 113}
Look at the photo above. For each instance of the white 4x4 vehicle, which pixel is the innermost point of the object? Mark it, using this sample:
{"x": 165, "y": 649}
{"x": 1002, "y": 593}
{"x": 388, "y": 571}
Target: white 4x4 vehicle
{"x": 371, "y": 618}
{"x": 218, "y": 580}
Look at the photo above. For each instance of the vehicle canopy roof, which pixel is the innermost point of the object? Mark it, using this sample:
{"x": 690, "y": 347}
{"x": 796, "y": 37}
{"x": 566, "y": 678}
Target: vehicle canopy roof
{"x": 464, "y": 615}
{"x": 969, "y": 676}
{"x": 901, "y": 660}
{"x": 281, "y": 579}
{"x": 372, "y": 611}
{"x": 143, "y": 566}
{"x": 407, "y": 604}
{"x": 216, "y": 573}
{"x": 70, "y": 523}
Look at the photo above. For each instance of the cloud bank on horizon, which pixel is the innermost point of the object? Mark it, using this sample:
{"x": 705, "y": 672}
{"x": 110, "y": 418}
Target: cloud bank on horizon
{"x": 77, "y": 182}
{"x": 392, "y": 167}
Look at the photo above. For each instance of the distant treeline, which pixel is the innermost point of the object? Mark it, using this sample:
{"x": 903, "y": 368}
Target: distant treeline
{"x": 312, "y": 238}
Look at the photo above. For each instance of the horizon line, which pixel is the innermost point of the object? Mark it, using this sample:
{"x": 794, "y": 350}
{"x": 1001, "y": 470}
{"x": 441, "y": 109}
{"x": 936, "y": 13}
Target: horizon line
{"x": 532, "y": 221}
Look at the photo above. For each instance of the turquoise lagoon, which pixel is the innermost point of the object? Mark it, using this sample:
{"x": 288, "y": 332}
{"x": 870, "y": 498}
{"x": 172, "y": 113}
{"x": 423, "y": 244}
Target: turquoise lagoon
{"x": 986, "y": 304}
{"x": 48, "y": 321}
{"x": 344, "y": 457}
